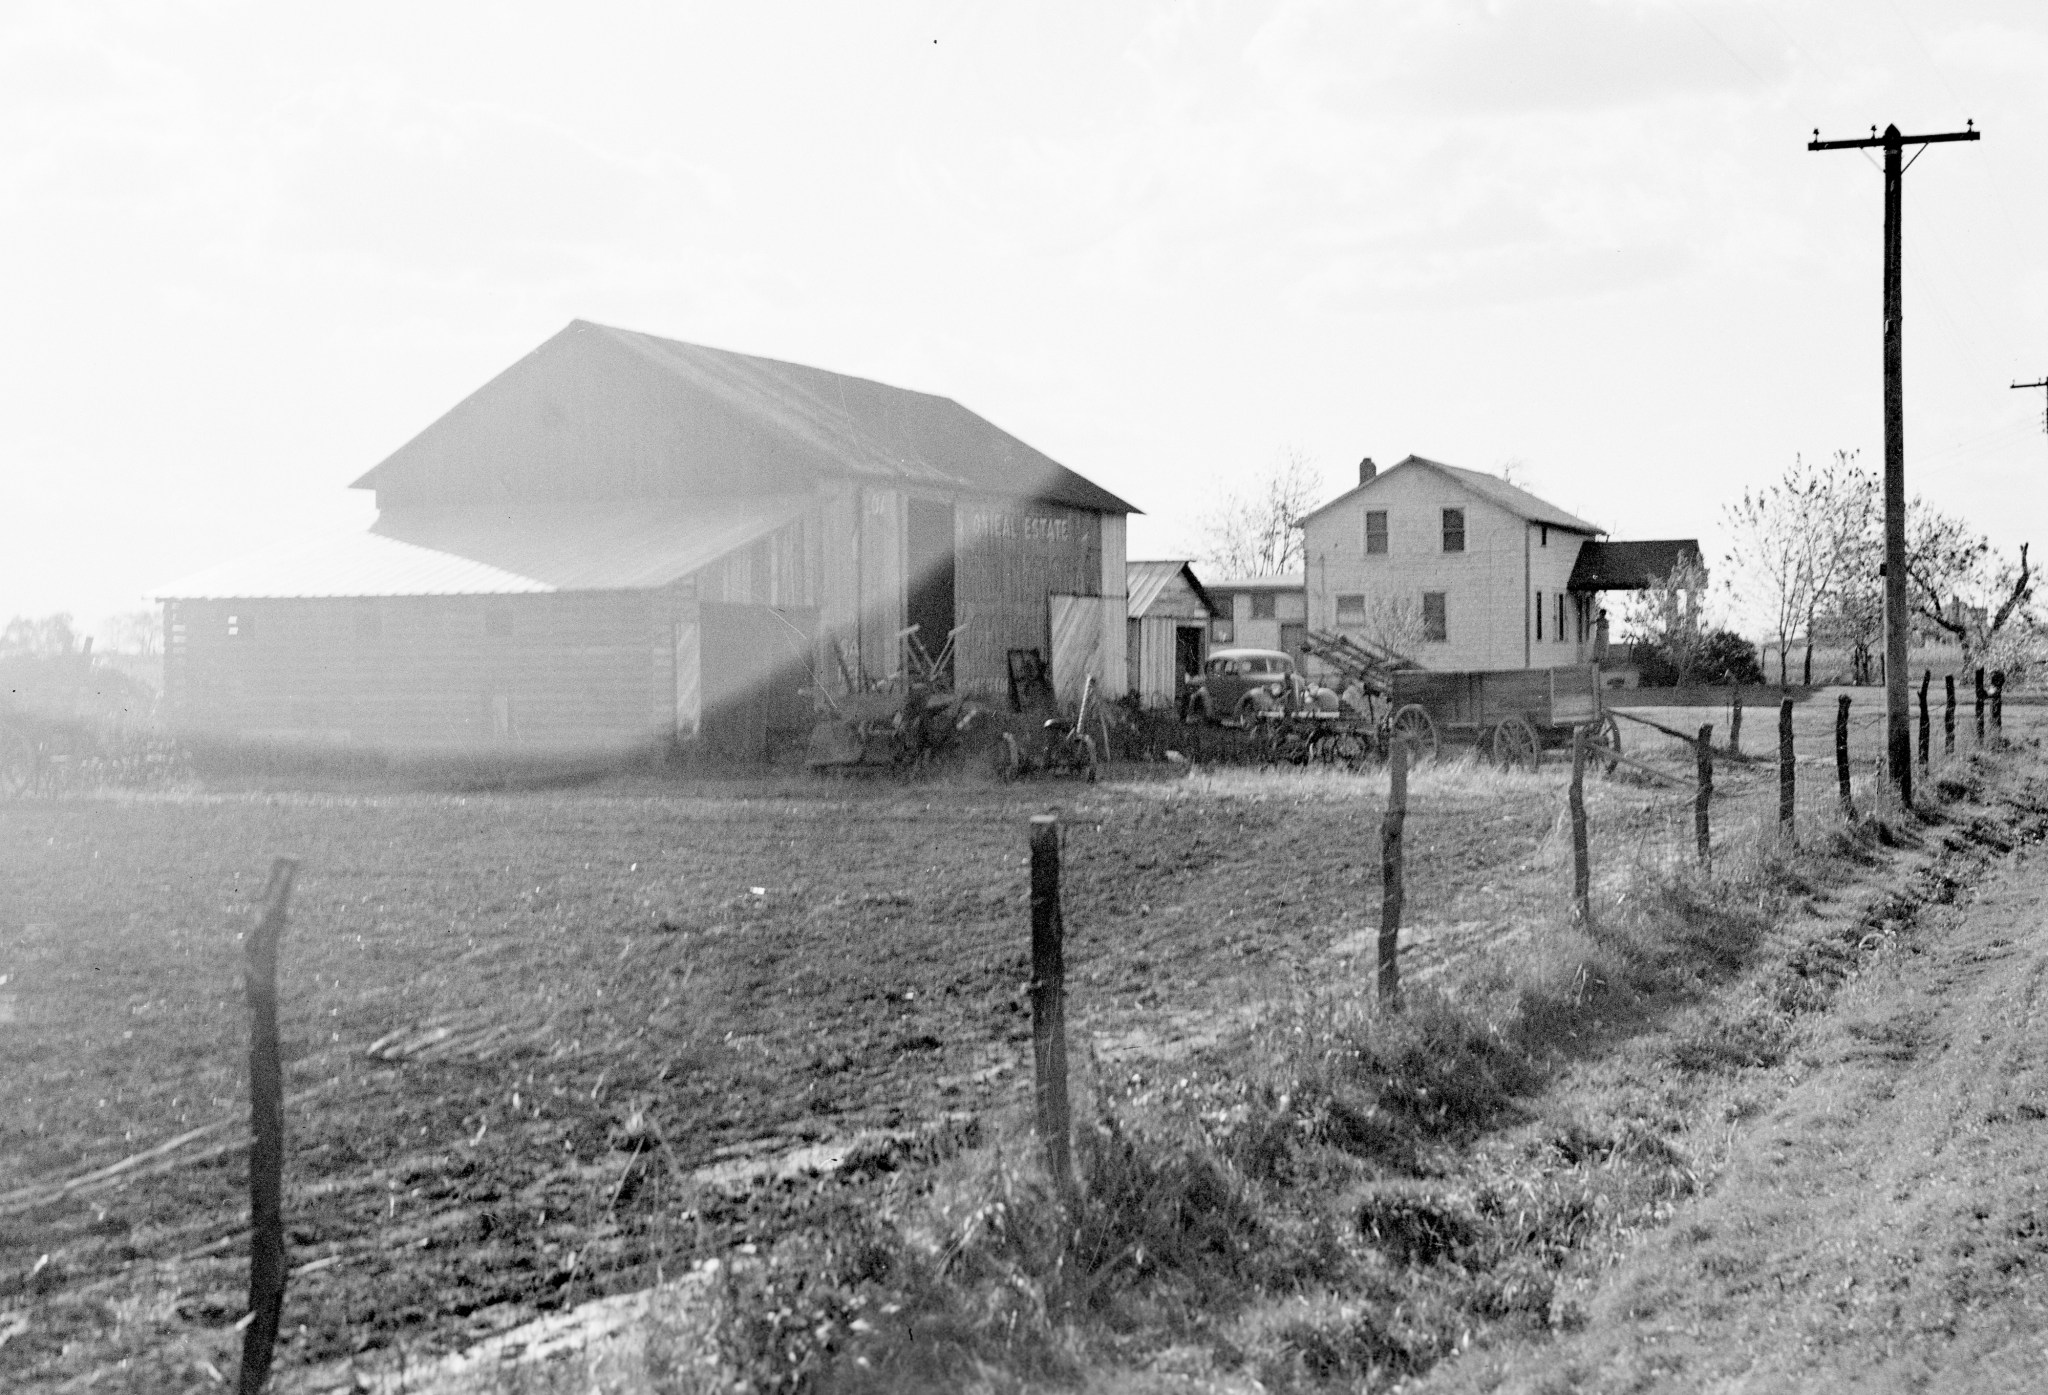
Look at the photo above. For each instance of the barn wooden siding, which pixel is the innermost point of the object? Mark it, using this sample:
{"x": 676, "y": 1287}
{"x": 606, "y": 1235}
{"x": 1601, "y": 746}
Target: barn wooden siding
{"x": 1011, "y": 558}
{"x": 563, "y": 671}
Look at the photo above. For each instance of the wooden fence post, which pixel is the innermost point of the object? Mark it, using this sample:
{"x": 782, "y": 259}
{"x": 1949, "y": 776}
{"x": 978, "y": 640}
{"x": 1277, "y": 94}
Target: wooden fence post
{"x": 1926, "y": 677}
{"x": 1948, "y": 716}
{"x": 1980, "y": 704}
{"x": 1704, "y": 797}
{"x": 266, "y": 1121}
{"x": 1393, "y": 888}
{"x": 1998, "y": 705}
{"x": 1786, "y": 776}
{"x": 1842, "y": 755}
{"x": 1735, "y": 722}
{"x": 1049, "y": 1005}
{"x": 1582, "y": 878}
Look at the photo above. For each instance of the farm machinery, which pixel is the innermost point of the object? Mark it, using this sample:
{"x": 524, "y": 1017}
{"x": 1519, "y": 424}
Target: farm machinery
{"x": 916, "y": 721}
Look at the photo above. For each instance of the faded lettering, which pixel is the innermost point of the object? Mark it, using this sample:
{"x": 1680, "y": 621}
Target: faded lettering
{"x": 1028, "y": 527}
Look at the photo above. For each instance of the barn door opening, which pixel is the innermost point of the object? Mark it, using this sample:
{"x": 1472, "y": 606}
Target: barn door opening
{"x": 929, "y": 546}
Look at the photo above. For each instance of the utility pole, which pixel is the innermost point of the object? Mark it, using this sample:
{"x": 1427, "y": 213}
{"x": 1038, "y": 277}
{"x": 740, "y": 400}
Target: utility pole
{"x": 1898, "y": 732}
{"x": 2038, "y": 383}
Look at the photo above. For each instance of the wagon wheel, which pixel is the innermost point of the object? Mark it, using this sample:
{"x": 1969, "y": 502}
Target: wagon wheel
{"x": 1515, "y": 743}
{"x": 17, "y": 765}
{"x": 1603, "y": 742}
{"x": 1414, "y": 722}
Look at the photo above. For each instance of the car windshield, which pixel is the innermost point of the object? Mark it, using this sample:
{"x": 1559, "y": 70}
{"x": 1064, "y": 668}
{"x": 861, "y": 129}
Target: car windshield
{"x": 1269, "y": 664}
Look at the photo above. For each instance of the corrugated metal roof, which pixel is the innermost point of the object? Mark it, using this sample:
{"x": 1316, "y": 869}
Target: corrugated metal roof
{"x": 708, "y": 419}
{"x": 1143, "y": 581}
{"x": 498, "y": 551}
{"x": 1631, "y": 566}
{"x": 1517, "y": 501}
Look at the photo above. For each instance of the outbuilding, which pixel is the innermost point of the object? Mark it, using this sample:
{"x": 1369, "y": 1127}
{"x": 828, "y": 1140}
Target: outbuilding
{"x": 1170, "y": 614}
{"x": 624, "y": 541}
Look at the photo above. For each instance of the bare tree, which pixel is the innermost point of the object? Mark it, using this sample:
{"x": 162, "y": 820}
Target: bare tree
{"x": 139, "y": 632}
{"x": 1838, "y": 516}
{"x": 1258, "y": 533}
{"x": 1769, "y": 557}
{"x": 1958, "y": 586}
{"x": 49, "y": 637}
{"x": 1393, "y": 622}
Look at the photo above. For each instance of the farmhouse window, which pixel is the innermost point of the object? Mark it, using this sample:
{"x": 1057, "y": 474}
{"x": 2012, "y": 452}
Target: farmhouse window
{"x": 1375, "y": 530}
{"x": 1545, "y": 530}
{"x": 1219, "y": 631}
{"x": 1263, "y": 605}
{"x": 1560, "y": 617}
{"x": 1539, "y": 615}
{"x": 1436, "y": 626}
{"x": 1350, "y": 610}
{"x": 240, "y": 627}
{"x": 1454, "y": 530}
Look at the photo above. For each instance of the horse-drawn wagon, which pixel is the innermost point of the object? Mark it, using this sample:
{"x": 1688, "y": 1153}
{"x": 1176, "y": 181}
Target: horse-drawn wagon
{"x": 1514, "y": 715}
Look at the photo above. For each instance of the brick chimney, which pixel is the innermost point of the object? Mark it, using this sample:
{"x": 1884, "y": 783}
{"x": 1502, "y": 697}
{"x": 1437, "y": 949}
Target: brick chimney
{"x": 1366, "y": 470}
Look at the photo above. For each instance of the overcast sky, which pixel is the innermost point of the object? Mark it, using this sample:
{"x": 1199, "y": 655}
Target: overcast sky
{"x": 251, "y": 249}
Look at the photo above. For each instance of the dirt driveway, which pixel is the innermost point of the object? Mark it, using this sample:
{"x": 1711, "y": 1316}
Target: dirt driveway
{"x": 1883, "y": 1225}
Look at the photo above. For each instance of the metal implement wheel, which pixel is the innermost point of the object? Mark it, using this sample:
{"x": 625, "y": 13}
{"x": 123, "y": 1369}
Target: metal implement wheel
{"x": 1345, "y": 748}
{"x": 1006, "y": 759}
{"x": 1414, "y": 723}
{"x": 1603, "y": 743}
{"x": 1515, "y": 744}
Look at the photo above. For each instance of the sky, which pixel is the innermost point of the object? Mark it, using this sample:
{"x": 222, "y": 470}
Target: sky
{"x": 250, "y": 249}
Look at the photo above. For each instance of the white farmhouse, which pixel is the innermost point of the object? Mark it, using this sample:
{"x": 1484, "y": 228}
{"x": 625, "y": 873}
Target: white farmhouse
{"x": 1483, "y": 575}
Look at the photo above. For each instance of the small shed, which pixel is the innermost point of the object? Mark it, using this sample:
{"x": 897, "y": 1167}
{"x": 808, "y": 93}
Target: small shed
{"x": 1170, "y": 614}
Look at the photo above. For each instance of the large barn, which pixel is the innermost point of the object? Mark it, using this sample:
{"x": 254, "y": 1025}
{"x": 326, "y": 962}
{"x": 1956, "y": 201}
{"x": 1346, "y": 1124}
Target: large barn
{"x": 622, "y": 542}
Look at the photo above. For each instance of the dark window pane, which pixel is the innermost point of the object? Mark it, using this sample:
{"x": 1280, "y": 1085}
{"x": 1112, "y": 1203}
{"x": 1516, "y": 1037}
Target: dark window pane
{"x": 1262, "y": 605}
{"x": 1454, "y": 530}
{"x": 1375, "y": 530}
{"x": 1350, "y": 610}
{"x": 1435, "y": 621}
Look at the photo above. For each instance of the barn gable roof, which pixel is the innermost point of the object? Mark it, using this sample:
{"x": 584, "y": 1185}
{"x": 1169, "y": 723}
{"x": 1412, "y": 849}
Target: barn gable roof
{"x": 499, "y": 550}
{"x": 604, "y": 412}
{"x": 1517, "y": 501}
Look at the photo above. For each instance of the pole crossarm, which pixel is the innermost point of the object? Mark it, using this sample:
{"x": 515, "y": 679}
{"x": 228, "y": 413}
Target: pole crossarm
{"x": 1891, "y": 136}
{"x": 2038, "y": 383}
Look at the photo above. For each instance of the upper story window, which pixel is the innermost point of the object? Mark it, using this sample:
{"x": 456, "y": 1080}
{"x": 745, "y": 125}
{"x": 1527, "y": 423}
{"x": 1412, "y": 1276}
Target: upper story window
{"x": 1350, "y": 610}
{"x": 1219, "y": 632}
{"x": 1264, "y": 605}
{"x": 1454, "y": 530}
{"x": 1375, "y": 530}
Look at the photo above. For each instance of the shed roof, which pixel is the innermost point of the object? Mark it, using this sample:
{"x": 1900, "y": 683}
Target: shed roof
{"x": 597, "y": 410}
{"x": 1143, "y": 581}
{"x": 498, "y": 550}
{"x": 1631, "y": 566}
{"x": 1516, "y": 500}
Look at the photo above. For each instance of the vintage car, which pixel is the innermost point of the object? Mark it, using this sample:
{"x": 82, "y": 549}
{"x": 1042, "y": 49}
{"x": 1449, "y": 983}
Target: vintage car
{"x": 1242, "y": 685}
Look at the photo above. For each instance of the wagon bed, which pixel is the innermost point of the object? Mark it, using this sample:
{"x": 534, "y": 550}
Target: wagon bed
{"x": 1513, "y": 714}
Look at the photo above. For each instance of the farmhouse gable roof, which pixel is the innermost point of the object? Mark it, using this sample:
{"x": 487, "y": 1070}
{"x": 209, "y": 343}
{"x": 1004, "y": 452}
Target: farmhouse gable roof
{"x": 597, "y": 411}
{"x": 1517, "y": 501}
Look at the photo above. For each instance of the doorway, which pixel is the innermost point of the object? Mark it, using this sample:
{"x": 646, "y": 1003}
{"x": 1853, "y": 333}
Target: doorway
{"x": 930, "y": 599}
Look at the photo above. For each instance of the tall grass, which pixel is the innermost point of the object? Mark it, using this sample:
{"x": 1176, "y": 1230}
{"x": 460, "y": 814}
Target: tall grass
{"x": 1353, "y": 1191}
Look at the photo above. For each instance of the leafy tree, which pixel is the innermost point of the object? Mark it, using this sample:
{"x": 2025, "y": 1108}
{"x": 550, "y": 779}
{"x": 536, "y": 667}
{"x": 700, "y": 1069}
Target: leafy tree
{"x": 1958, "y": 586}
{"x": 1667, "y": 619}
{"x": 1259, "y": 533}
